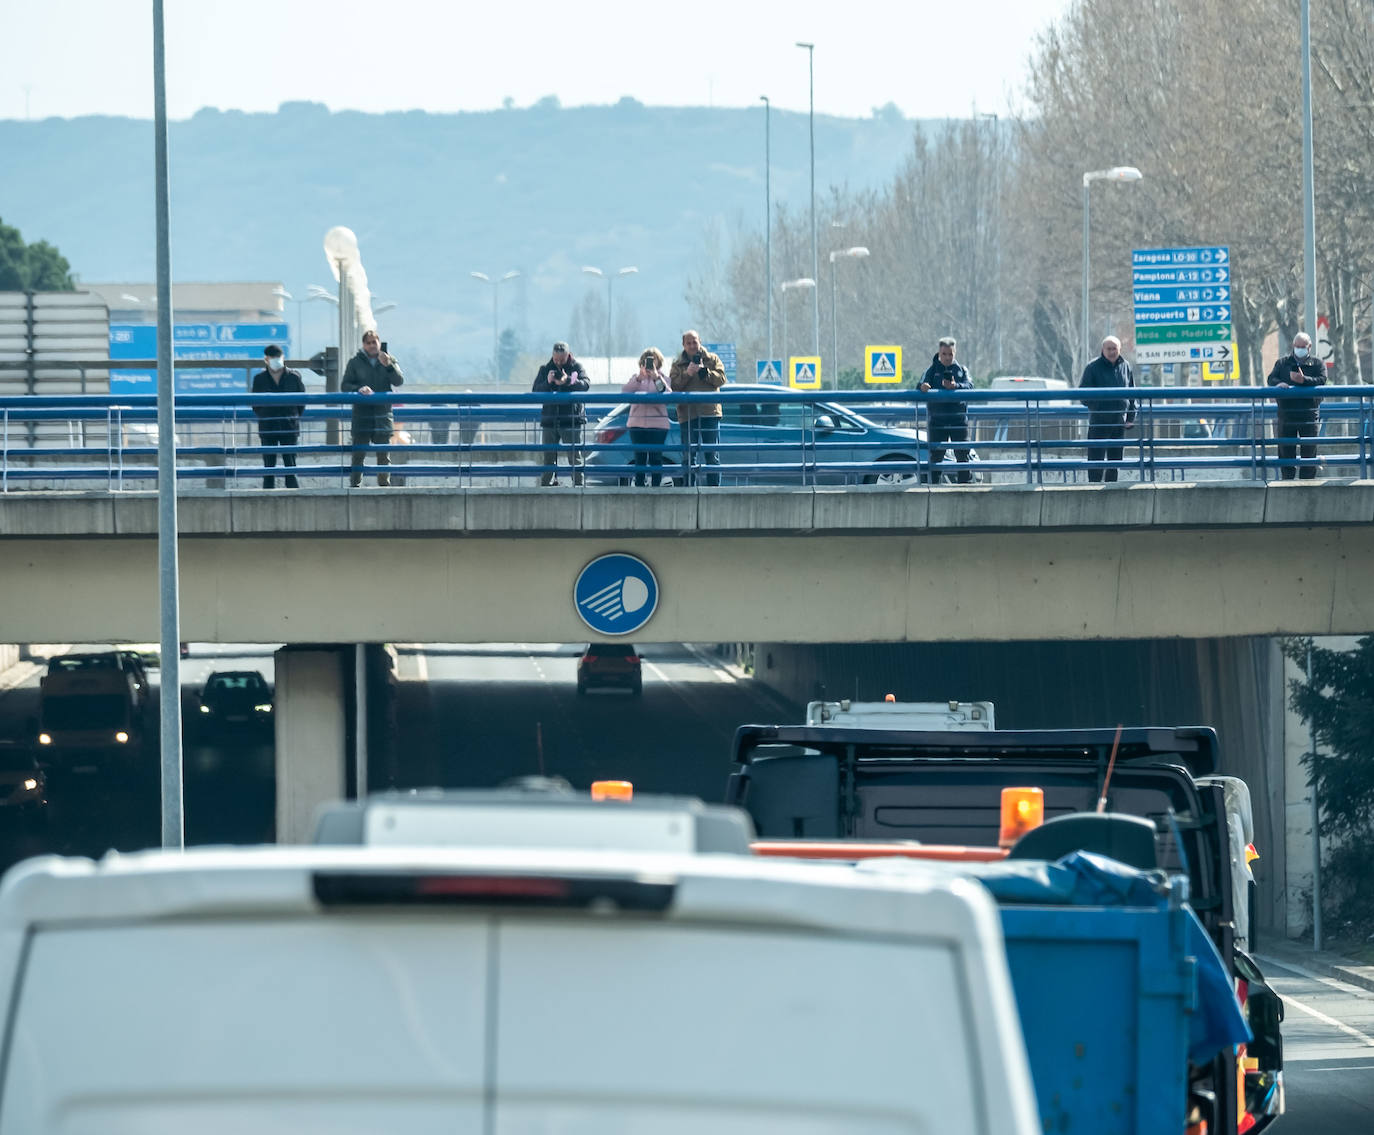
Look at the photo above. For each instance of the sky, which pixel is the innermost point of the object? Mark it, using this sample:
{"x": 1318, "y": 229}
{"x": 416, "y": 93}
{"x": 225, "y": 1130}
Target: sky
{"x": 931, "y": 58}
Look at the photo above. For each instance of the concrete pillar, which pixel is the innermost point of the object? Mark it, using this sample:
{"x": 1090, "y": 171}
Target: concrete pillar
{"x": 313, "y": 734}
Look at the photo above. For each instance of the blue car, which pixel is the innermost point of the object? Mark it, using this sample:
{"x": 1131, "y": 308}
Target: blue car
{"x": 771, "y": 443}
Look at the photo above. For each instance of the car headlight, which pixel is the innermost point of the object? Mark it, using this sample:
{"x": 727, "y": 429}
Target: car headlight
{"x": 205, "y": 709}
{"x": 122, "y": 737}
{"x": 45, "y": 738}
{"x": 30, "y": 784}
{"x": 263, "y": 708}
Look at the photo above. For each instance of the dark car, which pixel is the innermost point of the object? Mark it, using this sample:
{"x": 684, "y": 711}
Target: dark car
{"x": 236, "y": 700}
{"x": 610, "y": 666}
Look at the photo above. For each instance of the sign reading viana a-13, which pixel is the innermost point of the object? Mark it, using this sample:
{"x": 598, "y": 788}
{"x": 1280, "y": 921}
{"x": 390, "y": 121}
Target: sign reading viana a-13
{"x": 1182, "y": 302}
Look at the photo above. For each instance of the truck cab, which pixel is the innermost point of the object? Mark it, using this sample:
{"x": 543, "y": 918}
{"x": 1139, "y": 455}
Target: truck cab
{"x": 823, "y": 786}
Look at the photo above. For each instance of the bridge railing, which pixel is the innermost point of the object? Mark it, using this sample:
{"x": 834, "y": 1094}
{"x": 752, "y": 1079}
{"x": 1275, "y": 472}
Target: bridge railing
{"x": 476, "y": 440}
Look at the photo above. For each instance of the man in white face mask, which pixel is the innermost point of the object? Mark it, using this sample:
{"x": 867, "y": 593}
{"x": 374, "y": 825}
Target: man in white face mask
{"x": 279, "y": 421}
{"x": 1297, "y": 417}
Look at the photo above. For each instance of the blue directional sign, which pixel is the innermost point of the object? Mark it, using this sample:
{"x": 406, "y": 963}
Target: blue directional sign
{"x": 728, "y": 358}
{"x": 616, "y": 594}
{"x": 1182, "y": 300}
{"x": 769, "y": 371}
{"x": 1211, "y": 293}
{"x": 192, "y": 341}
{"x": 1209, "y": 255}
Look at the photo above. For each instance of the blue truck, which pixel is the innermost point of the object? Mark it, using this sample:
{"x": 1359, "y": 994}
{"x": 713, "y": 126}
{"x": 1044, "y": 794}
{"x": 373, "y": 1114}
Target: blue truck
{"x": 1140, "y": 1013}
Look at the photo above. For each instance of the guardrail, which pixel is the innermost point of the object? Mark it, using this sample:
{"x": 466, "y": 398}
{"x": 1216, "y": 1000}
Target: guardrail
{"x": 766, "y": 437}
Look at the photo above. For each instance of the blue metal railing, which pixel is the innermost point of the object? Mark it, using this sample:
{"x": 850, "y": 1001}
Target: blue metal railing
{"x": 783, "y": 437}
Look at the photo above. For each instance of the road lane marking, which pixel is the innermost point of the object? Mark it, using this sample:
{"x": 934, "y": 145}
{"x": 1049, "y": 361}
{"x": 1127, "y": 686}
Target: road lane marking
{"x": 1339, "y": 1026}
{"x": 713, "y": 664}
{"x": 1333, "y": 1068}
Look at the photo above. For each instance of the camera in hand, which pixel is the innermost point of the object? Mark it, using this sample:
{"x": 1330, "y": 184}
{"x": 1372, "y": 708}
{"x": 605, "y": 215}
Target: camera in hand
{"x": 699, "y": 359}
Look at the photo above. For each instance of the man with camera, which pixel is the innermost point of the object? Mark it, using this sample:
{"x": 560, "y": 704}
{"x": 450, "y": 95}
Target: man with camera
{"x": 698, "y": 370}
{"x": 1108, "y": 418}
{"x": 1297, "y": 417}
{"x": 948, "y": 419}
{"x": 371, "y": 371}
{"x": 561, "y": 420}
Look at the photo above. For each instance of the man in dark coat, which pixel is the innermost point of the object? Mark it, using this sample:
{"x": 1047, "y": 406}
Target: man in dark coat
{"x": 1108, "y": 418}
{"x": 279, "y": 423}
{"x": 371, "y": 371}
{"x": 561, "y": 419}
{"x": 1298, "y": 416}
{"x": 948, "y": 418}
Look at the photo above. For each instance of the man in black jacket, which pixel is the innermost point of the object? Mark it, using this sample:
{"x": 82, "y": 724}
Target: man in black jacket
{"x": 371, "y": 371}
{"x": 1108, "y": 418}
{"x": 948, "y": 419}
{"x": 279, "y": 423}
{"x": 1298, "y": 416}
{"x": 561, "y": 419}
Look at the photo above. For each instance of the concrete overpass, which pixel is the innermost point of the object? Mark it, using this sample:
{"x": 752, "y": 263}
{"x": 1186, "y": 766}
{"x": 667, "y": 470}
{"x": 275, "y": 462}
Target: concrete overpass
{"x": 982, "y": 563}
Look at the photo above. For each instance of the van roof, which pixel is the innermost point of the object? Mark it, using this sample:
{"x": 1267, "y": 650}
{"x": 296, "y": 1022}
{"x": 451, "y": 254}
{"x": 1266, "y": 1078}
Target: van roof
{"x": 230, "y": 883}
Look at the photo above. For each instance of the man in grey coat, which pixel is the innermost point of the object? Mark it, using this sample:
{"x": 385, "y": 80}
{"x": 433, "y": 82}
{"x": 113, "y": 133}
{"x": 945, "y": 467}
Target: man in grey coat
{"x": 371, "y": 371}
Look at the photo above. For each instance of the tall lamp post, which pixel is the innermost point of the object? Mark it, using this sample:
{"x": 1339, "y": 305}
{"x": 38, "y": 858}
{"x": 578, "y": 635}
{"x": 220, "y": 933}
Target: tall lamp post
{"x": 768, "y": 215}
{"x": 858, "y": 252}
{"x": 495, "y": 316}
{"x": 1116, "y": 173}
{"x": 815, "y": 255}
{"x": 610, "y": 285}
{"x": 1309, "y": 218}
{"x": 787, "y": 286}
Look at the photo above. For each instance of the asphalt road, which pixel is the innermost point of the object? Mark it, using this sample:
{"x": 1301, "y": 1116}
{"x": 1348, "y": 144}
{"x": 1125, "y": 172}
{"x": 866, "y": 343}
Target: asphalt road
{"x": 1328, "y": 1044}
{"x": 487, "y": 713}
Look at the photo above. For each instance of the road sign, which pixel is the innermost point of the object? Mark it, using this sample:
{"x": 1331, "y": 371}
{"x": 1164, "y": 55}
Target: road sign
{"x": 192, "y": 341}
{"x": 1219, "y": 353}
{"x": 768, "y": 370}
{"x": 882, "y": 364}
{"x": 1226, "y": 367}
{"x": 1182, "y": 300}
{"x": 251, "y": 332}
{"x": 728, "y": 358}
{"x": 616, "y": 594}
{"x": 804, "y": 372}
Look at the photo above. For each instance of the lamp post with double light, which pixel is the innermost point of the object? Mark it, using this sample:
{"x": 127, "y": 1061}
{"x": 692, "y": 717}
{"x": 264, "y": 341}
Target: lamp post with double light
{"x": 858, "y": 252}
{"x": 610, "y": 285}
{"x": 802, "y": 283}
{"x": 495, "y": 315}
{"x": 1116, "y": 173}
{"x": 815, "y": 254}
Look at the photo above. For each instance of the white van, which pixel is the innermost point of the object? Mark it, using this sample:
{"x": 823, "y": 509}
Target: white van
{"x": 383, "y": 989}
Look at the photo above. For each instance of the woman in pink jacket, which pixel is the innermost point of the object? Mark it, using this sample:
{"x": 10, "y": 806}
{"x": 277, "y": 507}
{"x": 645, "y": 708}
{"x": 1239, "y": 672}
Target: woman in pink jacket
{"x": 648, "y": 420}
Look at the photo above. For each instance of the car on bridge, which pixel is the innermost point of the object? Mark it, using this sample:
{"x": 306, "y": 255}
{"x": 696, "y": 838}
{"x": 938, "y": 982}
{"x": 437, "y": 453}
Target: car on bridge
{"x": 789, "y": 442}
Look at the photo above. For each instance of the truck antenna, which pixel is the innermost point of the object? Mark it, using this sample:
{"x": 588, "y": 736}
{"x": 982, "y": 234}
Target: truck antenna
{"x": 1106, "y": 780}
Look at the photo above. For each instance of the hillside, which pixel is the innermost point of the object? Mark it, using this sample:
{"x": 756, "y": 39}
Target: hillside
{"x": 544, "y": 189}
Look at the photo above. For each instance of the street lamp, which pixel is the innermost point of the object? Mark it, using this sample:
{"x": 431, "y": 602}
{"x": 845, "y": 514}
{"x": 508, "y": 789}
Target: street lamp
{"x": 815, "y": 255}
{"x": 1116, "y": 173}
{"x": 787, "y": 286}
{"x": 495, "y": 316}
{"x": 610, "y": 284}
{"x": 858, "y": 252}
{"x": 768, "y": 215}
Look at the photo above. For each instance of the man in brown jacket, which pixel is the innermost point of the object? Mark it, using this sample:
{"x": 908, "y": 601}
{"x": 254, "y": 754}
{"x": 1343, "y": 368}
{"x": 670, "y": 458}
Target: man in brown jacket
{"x": 697, "y": 370}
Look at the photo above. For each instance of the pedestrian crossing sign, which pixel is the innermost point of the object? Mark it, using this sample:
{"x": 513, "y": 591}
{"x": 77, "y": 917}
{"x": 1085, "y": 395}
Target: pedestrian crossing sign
{"x": 804, "y": 372}
{"x": 768, "y": 370}
{"x": 882, "y": 364}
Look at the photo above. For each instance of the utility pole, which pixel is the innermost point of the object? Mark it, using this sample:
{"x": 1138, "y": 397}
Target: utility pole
{"x": 815, "y": 254}
{"x": 768, "y": 216}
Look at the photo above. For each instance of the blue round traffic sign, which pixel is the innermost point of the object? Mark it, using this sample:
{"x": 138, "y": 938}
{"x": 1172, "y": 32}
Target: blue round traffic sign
{"x": 616, "y": 594}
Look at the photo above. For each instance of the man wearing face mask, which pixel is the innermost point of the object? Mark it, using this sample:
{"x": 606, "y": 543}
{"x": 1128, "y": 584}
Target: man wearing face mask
{"x": 279, "y": 423}
{"x": 1297, "y": 417}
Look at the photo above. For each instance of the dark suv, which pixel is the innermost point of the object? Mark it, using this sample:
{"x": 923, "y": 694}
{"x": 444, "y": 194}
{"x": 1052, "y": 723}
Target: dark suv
{"x": 610, "y": 665}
